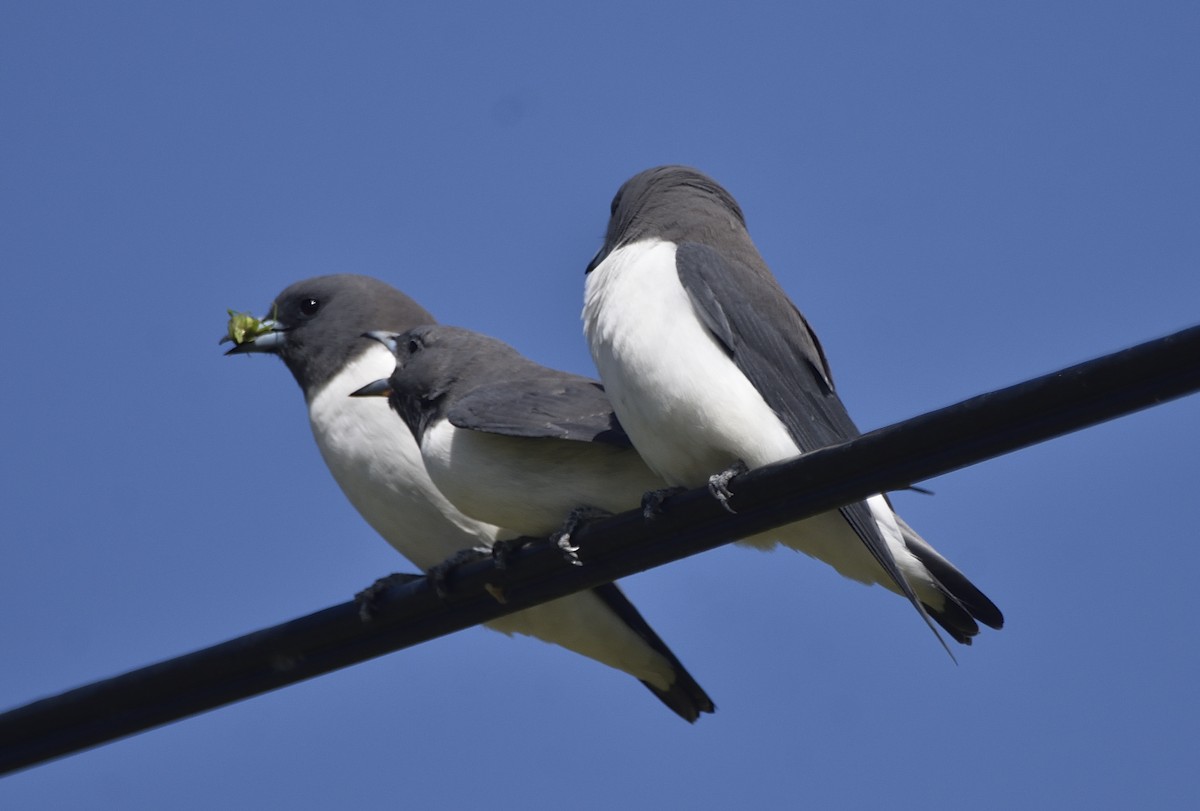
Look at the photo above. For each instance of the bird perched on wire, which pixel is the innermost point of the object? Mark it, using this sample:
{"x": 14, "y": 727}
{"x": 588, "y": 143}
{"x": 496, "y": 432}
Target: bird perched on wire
{"x": 316, "y": 327}
{"x": 507, "y": 440}
{"x": 711, "y": 368}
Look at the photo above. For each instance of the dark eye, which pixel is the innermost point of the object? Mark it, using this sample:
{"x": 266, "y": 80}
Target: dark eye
{"x": 413, "y": 346}
{"x": 309, "y": 306}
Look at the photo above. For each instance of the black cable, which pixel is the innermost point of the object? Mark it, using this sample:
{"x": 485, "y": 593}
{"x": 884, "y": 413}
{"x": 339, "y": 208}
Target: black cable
{"x": 890, "y": 458}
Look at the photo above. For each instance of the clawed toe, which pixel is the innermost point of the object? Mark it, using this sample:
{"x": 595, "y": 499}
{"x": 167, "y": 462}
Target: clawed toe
{"x": 718, "y": 483}
{"x": 440, "y": 576}
{"x": 368, "y": 598}
{"x": 652, "y": 501}
{"x": 563, "y": 542}
{"x": 578, "y": 517}
{"x": 503, "y": 550}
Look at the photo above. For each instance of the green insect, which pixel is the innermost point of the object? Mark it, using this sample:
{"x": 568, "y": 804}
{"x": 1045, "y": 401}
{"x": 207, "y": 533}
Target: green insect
{"x": 244, "y": 327}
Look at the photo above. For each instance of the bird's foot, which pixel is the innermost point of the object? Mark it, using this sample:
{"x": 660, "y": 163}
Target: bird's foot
{"x": 653, "y": 500}
{"x": 503, "y": 550}
{"x": 578, "y": 517}
{"x": 718, "y": 483}
{"x": 441, "y": 574}
{"x": 368, "y": 598}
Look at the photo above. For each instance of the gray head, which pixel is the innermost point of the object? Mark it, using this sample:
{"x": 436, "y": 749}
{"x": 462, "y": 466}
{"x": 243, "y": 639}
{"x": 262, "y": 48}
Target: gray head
{"x": 436, "y": 364}
{"x": 674, "y": 203}
{"x": 319, "y": 324}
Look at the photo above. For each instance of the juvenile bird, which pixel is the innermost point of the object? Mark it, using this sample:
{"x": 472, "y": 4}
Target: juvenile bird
{"x": 507, "y": 440}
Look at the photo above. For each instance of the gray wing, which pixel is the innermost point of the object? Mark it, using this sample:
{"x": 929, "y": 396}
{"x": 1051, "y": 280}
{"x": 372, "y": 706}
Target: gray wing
{"x": 766, "y": 336}
{"x": 769, "y": 340}
{"x": 686, "y": 697}
{"x": 559, "y": 407}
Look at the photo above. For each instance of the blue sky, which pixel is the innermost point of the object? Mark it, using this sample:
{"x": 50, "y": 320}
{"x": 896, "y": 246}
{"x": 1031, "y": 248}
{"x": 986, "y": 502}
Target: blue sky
{"x": 959, "y": 196}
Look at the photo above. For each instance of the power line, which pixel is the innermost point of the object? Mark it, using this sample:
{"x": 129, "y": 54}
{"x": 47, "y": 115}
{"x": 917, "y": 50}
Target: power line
{"x": 889, "y": 458}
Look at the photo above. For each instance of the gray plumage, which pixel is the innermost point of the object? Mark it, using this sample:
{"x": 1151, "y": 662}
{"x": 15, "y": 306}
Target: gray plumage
{"x": 510, "y": 441}
{"x": 318, "y": 333}
{"x": 723, "y": 295}
{"x": 482, "y": 384}
{"x": 320, "y": 324}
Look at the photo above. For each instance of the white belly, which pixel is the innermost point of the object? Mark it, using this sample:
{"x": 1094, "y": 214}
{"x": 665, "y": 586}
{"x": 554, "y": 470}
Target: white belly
{"x": 375, "y": 460}
{"x": 684, "y": 403}
{"x": 530, "y": 485}
{"x": 687, "y": 407}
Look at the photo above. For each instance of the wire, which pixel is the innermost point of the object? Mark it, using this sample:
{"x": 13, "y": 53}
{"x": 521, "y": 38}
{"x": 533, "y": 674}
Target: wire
{"x": 889, "y": 458}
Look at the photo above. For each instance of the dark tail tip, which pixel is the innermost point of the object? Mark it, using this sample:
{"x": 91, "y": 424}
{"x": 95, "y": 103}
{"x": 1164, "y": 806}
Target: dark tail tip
{"x": 965, "y": 605}
{"x": 685, "y": 697}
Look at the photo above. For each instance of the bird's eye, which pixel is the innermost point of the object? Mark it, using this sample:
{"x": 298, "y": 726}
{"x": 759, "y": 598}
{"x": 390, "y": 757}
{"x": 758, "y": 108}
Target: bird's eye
{"x": 309, "y": 306}
{"x": 413, "y": 346}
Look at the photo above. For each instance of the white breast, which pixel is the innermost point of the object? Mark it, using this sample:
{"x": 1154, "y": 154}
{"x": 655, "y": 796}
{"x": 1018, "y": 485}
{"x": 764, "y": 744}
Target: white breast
{"x": 688, "y": 409}
{"x": 375, "y": 460}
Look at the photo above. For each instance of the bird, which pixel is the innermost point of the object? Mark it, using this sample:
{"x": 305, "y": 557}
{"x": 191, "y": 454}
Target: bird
{"x": 712, "y": 370}
{"x": 316, "y": 326}
{"x": 511, "y": 442}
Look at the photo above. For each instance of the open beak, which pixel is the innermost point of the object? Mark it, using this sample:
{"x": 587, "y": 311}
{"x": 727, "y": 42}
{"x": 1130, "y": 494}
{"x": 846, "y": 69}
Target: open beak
{"x": 270, "y": 342}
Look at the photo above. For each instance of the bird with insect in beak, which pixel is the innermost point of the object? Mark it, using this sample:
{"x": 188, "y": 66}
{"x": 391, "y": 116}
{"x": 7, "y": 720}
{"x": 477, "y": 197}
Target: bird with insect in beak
{"x": 316, "y": 327}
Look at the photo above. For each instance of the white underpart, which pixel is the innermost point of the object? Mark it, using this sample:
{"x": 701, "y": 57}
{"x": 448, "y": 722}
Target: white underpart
{"x": 691, "y": 412}
{"x": 375, "y": 460}
{"x": 372, "y": 455}
{"x": 530, "y": 485}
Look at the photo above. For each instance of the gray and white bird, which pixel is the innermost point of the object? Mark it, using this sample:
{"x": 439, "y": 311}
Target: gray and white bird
{"x": 708, "y": 363}
{"x": 507, "y": 440}
{"x": 317, "y": 330}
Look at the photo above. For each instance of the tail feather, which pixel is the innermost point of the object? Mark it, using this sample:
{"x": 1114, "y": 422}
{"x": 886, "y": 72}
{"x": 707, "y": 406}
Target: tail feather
{"x": 965, "y": 604}
{"x": 954, "y": 619}
{"x": 685, "y": 696}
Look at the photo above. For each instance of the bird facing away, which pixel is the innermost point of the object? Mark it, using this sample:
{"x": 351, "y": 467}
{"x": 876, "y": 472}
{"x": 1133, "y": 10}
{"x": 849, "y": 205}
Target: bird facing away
{"x": 708, "y": 363}
{"x": 317, "y": 330}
